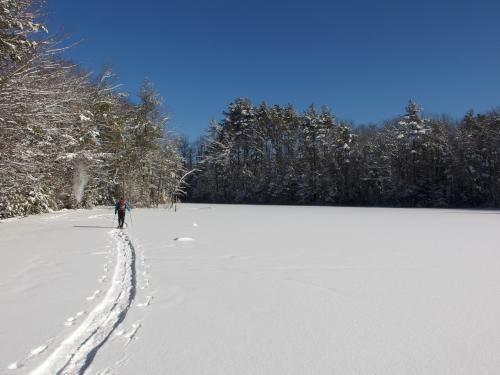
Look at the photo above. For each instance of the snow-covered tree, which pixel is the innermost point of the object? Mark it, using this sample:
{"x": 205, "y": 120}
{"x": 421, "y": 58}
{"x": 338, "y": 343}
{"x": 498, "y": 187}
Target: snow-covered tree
{"x": 418, "y": 152}
{"x": 17, "y": 23}
{"x": 68, "y": 140}
{"x": 476, "y": 168}
{"x": 277, "y": 155}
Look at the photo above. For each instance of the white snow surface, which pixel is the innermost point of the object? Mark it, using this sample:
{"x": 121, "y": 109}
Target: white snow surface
{"x": 255, "y": 290}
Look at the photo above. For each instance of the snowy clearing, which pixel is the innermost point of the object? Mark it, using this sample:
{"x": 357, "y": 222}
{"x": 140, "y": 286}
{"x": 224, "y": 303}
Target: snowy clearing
{"x": 219, "y": 289}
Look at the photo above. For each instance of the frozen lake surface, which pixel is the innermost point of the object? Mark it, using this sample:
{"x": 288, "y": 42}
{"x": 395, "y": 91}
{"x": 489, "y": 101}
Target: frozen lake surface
{"x": 219, "y": 289}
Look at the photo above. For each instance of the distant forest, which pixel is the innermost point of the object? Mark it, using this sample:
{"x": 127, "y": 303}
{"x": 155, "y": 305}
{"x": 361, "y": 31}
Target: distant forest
{"x": 274, "y": 155}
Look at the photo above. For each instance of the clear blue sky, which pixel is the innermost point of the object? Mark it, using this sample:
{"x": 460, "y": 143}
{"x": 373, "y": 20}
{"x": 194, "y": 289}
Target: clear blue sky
{"x": 364, "y": 59}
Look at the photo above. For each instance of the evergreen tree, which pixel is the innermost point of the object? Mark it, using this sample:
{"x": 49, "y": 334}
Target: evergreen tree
{"x": 272, "y": 154}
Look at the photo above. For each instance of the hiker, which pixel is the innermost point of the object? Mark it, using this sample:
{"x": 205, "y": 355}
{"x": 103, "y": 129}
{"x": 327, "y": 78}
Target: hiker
{"x": 120, "y": 207}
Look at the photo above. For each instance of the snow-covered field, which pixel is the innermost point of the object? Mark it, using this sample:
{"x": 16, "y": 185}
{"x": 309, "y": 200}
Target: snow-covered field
{"x": 215, "y": 289}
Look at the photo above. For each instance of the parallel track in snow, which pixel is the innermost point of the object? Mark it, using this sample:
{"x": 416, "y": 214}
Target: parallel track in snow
{"x": 75, "y": 354}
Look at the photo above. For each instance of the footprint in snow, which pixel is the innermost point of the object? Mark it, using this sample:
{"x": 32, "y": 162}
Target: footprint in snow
{"x": 93, "y": 296}
{"x": 14, "y": 366}
{"x": 146, "y": 303}
{"x": 33, "y": 353}
{"x": 130, "y": 335}
{"x": 38, "y": 350}
{"x": 69, "y": 322}
{"x": 72, "y": 319}
{"x": 102, "y": 279}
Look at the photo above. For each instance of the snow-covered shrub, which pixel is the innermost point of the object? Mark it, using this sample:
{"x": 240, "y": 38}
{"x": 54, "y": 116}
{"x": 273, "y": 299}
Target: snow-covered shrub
{"x": 25, "y": 203}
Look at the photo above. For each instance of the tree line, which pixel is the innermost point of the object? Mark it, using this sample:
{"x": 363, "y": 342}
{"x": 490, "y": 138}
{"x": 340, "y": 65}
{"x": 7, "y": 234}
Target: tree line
{"x": 274, "y": 154}
{"x": 69, "y": 139}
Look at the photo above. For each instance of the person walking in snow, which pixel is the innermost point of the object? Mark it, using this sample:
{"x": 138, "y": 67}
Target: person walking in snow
{"x": 121, "y": 206}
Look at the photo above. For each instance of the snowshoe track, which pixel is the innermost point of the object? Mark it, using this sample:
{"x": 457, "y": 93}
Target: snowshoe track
{"x": 75, "y": 354}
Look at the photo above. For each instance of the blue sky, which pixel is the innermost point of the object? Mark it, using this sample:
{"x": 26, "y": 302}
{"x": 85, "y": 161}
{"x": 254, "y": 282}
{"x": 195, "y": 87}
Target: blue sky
{"x": 364, "y": 59}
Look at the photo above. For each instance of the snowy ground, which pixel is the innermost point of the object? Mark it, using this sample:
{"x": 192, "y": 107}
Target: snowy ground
{"x": 214, "y": 289}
